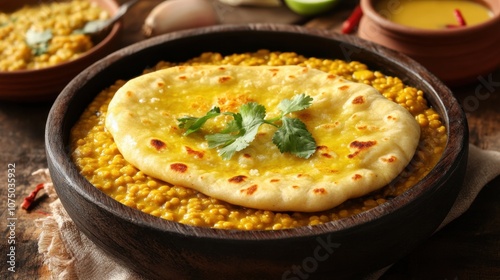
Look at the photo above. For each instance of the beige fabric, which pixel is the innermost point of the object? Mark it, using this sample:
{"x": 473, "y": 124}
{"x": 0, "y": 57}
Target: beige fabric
{"x": 482, "y": 167}
{"x": 70, "y": 255}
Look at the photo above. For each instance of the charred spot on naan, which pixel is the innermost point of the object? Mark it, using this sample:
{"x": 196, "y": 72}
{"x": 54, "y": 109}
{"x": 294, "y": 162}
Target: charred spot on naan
{"x": 250, "y": 190}
{"x": 360, "y": 146}
{"x": 327, "y": 155}
{"x": 192, "y": 152}
{"x": 358, "y": 100}
{"x": 356, "y": 177}
{"x": 319, "y": 191}
{"x": 179, "y": 167}
{"x": 389, "y": 159}
{"x": 391, "y": 118}
{"x": 324, "y": 151}
{"x": 224, "y": 79}
{"x": 157, "y": 144}
{"x": 322, "y": 148}
{"x": 274, "y": 71}
{"x": 237, "y": 179}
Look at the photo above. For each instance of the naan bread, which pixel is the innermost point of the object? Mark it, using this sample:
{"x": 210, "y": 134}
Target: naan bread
{"x": 364, "y": 140}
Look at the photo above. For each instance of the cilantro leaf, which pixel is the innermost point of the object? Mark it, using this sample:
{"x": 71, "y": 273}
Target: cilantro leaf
{"x": 194, "y": 124}
{"x": 235, "y": 144}
{"x": 34, "y": 37}
{"x": 220, "y": 139}
{"x": 253, "y": 115}
{"x": 297, "y": 103}
{"x": 293, "y": 137}
{"x": 38, "y": 41}
{"x": 235, "y": 124}
{"x": 246, "y": 123}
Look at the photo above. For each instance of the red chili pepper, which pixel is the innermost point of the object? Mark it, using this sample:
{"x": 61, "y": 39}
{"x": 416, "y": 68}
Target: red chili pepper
{"x": 459, "y": 17}
{"x": 31, "y": 197}
{"x": 352, "y": 21}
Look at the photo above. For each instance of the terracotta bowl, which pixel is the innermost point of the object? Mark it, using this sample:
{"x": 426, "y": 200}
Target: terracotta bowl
{"x": 457, "y": 56}
{"x": 46, "y": 83}
{"x": 350, "y": 247}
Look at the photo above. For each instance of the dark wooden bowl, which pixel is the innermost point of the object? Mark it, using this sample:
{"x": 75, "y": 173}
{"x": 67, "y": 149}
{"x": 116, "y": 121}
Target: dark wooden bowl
{"x": 349, "y": 247}
{"x": 45, "y": 84}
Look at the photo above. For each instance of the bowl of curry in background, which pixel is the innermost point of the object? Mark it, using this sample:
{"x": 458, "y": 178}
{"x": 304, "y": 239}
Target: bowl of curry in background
{"x": 39, "y": 71}
{"x": 458, "y": 55}
{"x": 347, "y": 247}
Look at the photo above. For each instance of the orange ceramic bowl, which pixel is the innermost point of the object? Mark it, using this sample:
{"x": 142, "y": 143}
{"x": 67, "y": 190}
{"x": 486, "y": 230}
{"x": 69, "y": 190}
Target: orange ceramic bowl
{"x": 46, "y": 83}
{"x": 457, "y": 56}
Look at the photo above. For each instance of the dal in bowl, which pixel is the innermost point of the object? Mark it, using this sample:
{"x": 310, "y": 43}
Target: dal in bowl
{"x": 42, "y": 49}
{"x": 348, "y": 246}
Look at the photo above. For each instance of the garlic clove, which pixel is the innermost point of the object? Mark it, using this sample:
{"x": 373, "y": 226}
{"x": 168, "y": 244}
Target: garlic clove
{"x": 174, "y": 15}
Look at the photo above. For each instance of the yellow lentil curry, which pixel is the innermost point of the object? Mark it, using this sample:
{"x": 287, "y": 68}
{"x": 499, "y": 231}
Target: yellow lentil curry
{"x": 44, "y": 35}
{"x": 99, "y": 160}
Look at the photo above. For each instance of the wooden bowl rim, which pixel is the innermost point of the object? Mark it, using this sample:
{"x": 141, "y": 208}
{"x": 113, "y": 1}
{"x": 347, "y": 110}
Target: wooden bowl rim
{"x": 57, "y": 149}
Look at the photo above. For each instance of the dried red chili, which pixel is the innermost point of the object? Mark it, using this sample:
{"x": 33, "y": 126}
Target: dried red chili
{"x": 31, "y": 197}
{"x": 352, "y": 21}
{"x": 460, "y": 19}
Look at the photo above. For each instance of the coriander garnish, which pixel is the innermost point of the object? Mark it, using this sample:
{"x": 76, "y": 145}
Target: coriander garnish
{"x": 292, "y": 135}
{"x": 38, "y": 41}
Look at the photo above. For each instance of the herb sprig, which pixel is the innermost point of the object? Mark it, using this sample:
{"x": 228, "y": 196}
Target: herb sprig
{"x": 38, "y": 41}
{"x": 291, "y": 136}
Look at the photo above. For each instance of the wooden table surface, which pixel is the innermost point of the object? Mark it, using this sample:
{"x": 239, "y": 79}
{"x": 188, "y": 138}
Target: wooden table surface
{"x": 468, "y": 248}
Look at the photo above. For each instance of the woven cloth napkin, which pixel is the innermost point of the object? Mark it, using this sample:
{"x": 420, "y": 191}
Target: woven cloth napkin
{"x": 69, "y": 254}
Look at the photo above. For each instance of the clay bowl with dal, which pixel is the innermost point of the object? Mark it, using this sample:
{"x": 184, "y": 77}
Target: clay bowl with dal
{"x": 345, "y": 248}
{"x": 457, "y": 56}
{"x": 31, "y": 85}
